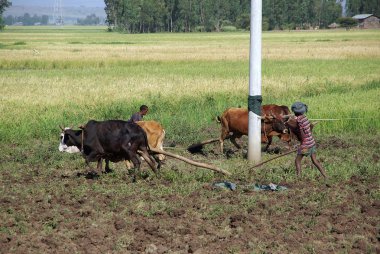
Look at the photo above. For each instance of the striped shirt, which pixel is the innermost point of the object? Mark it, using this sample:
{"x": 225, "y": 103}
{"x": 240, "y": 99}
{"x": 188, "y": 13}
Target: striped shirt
{"x": 307, "y": 138}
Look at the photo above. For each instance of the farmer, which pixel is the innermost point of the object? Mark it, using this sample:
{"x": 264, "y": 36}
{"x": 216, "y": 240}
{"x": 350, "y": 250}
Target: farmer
{"x": 307, "y": 146}
{"x": 138, "y": 116}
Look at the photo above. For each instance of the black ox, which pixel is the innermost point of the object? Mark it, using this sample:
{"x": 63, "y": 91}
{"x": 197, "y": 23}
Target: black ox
{"x": 112, "y": 140}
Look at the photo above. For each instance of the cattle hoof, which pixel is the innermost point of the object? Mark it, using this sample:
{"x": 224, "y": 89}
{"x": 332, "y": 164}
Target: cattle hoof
{"x": 91, "y": 175}
{"x": 245, "y": 153}
{"x": 131, "y": 172}
{"x": 108, "y": 170}
{"x": 143, "y": 175}
{"x": 229, "y": 153}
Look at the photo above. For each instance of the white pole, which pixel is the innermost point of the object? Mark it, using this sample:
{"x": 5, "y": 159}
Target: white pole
{"x": 254, "y": 99}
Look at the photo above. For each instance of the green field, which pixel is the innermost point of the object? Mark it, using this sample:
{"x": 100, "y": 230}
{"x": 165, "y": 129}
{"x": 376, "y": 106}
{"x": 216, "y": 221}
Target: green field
{"x": 66, "y": 76}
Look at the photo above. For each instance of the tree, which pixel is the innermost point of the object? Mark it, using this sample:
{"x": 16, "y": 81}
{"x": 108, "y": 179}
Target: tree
{"x": 363, "y": 6}
{"x": 3, "y": 4}
{"x": 141, "y": 16}
{"x": 44, "y": 19}
{"x": 89, "y": 20}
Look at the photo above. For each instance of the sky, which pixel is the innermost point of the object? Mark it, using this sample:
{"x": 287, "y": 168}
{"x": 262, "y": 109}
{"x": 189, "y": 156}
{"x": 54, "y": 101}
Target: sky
{"x": 65, "y": 3}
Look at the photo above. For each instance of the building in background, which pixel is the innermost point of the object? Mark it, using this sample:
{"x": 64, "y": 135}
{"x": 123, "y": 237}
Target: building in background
{"x": 366, "y": 21}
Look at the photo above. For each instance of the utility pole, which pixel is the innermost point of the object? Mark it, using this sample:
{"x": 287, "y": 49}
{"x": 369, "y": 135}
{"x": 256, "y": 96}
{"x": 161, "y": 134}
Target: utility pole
{"x": 254, "y": 98}
{"x": 57, "y": 13}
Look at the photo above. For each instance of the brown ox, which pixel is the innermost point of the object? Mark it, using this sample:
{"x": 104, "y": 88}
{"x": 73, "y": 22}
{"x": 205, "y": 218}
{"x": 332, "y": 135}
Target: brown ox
{"x": 234, "y": 123}
{"x": 155, "y": 134}
{"x": 275, "y": 110}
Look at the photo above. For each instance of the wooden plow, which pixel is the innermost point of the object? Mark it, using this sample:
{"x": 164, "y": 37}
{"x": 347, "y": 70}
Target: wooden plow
{"x": 191, "y": 162}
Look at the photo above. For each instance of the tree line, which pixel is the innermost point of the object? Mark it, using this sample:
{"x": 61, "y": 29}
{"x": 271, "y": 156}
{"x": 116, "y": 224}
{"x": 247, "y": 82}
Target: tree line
{"x": 141, "y": 16}
{"x": 89, "y": 20}
{"x": 3, "y": 5}
{"x": 27, "y": 19}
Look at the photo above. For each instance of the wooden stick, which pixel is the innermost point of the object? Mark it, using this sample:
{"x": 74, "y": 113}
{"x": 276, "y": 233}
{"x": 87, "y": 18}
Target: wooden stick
{"x": 262, "y": 163}
{"x": 195, "y": 163}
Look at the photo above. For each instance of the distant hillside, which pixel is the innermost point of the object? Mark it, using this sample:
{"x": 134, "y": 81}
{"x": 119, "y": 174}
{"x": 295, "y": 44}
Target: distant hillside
{"x": 65, "y": 3}
{"x": 71, "y": 9}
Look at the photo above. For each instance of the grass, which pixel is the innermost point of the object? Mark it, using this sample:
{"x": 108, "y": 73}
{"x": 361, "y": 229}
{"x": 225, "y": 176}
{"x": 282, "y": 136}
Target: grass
{"x": 51, "y": 76}
{"x": 75, "y": 75}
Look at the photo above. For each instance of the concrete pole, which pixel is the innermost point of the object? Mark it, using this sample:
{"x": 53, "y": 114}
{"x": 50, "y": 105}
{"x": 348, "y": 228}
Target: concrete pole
{"x": 254, "y": 98}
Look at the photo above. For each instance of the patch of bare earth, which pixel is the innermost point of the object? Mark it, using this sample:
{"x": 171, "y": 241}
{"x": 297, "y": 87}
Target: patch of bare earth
{"x": 66, "y": 213}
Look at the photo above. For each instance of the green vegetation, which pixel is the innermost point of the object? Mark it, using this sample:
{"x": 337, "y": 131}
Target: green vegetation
{"x": 226, "y": 15}
{"x": 3, "y": 5}
{"x": 51, "y": 77}
{"x": 347, "y": 22}
{"x": 222, "y": 15}
{"x": 27, "y": 20}
{"x": 186, "y": 79}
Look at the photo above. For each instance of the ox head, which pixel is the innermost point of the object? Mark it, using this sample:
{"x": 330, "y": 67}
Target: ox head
{"x": 276, "y": 123}
{"x": 68, "y": 143}
{"x": 277, "y": 127}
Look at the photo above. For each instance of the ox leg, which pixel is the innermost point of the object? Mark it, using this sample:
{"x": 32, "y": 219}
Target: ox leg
{"x": 221, "y": 145}
{"x": 128, "y": 164}
{"x": 87, "y": 161}
{"x": 99, "y": 167}
{"x": 136, "y": 162}
{"x": 144, "y": 153}
{"x": 158, "y": 159}
{"x": 108, "y": 169}
{"x": 233, "y": 140}
{"x": 224, "y": 134}
{"x": 160, "y": 145}
{"x": 289, "y": 145}
{"x": 269, "y": 143}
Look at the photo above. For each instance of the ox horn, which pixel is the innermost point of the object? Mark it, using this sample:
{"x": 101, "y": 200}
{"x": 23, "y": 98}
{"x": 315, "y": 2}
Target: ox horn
{"x": 265, "y": 116}
{"x": 62, "y": 129}
{"x": 272, "y": 116}
{"x": 286, "y": 116}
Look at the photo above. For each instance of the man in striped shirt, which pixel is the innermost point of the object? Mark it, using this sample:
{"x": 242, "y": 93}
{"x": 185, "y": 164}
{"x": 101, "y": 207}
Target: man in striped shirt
{"x": 307, "y": 146}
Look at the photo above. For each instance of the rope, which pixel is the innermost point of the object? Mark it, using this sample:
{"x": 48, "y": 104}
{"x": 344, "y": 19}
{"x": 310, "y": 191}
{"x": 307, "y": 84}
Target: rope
{"x": 338, "y": 119}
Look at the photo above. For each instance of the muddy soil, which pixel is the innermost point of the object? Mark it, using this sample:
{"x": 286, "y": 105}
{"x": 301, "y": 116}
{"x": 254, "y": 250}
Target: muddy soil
{"x": 68, "y": 213}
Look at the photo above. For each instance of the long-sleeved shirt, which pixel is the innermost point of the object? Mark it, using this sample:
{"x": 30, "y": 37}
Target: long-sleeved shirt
{"x": 306, "y": 135}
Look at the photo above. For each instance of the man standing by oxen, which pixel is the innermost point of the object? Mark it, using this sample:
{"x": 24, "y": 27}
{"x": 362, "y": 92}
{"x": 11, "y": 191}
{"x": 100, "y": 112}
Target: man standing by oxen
{"x": 302, "y": 129}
